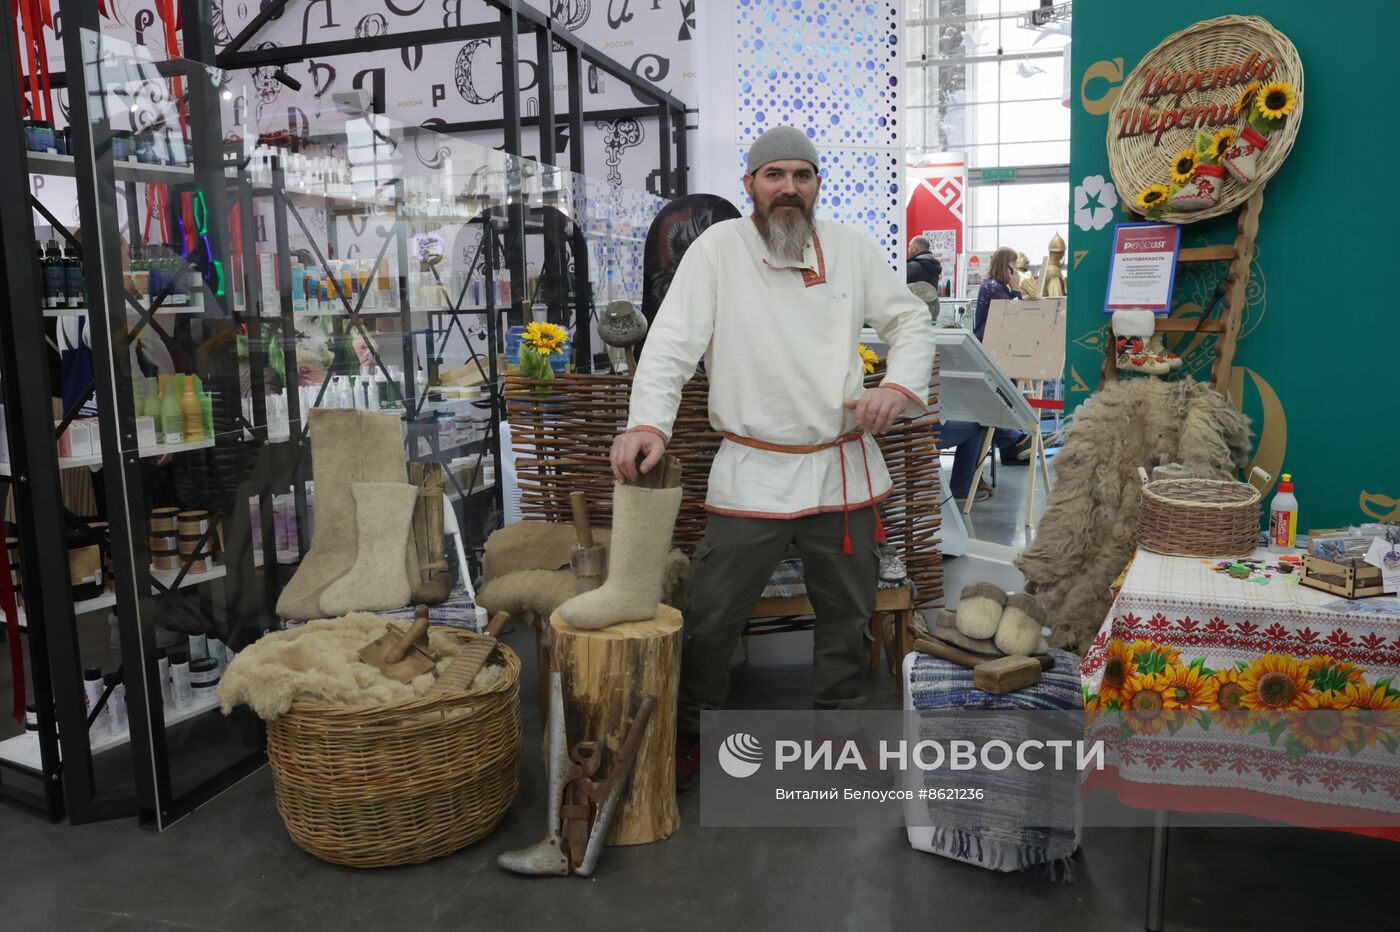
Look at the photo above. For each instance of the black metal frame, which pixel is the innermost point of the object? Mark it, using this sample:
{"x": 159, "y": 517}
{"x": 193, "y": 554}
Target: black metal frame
{"x": 52, "y": 637}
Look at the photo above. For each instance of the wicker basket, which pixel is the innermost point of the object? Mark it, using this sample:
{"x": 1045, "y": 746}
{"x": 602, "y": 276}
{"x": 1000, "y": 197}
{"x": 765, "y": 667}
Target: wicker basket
{"x": 380, "y": 785}
{"x": 1199, "y": 517}
{"x": 1138, "y": 161}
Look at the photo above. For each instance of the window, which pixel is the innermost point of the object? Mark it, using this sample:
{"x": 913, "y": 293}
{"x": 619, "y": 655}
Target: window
{"x": 982, "y": 85}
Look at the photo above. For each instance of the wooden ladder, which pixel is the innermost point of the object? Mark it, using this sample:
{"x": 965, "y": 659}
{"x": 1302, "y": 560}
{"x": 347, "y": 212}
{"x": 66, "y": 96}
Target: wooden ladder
{"x": 1241, "y": 254}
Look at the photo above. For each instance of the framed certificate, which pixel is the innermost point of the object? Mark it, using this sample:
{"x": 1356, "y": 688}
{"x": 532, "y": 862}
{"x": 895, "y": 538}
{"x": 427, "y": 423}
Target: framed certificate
{"x": 1143, "y": 268}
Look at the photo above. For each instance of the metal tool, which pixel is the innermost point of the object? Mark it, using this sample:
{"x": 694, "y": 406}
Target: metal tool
{"x": 547, "y": 857}
{"x": 399, "y": 655}
{"x": 581, "y": 808}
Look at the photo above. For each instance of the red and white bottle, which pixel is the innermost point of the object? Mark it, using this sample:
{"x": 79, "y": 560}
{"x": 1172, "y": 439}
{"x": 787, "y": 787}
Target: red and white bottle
{"x": 1283, "y": 516}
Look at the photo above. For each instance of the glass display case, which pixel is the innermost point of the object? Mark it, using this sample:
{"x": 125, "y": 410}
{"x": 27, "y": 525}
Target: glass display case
{"x": 233, "y": 283}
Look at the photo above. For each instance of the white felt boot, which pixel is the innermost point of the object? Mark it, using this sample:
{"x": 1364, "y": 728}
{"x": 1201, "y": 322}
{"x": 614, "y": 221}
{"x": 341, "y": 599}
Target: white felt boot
{"x": 979, "y": 610}
{"x": 1133, "y": 329}
{"x": 1019, "y": 631}
{"x": 378, "y": 581}
{"x": 643, "y": 520}
{"x": 1202, "y": 191}
{"x": 1242, "y": 159}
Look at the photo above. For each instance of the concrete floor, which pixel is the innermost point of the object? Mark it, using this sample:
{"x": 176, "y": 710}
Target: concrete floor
{"x": 231, "y": 866}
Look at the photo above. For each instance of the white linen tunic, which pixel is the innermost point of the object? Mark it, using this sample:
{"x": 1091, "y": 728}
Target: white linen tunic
{"x": 779, "y": 342}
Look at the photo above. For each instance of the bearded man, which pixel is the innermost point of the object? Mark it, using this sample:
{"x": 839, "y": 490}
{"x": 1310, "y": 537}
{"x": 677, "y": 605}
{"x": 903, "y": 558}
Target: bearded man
{"x": 775, "y": 303}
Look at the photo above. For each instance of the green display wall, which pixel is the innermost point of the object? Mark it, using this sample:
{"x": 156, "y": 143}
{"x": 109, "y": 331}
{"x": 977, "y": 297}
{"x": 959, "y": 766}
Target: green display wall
{"x": 1317, "y": 370}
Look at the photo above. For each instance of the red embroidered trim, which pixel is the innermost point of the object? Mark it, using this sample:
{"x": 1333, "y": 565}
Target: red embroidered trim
{"x": 651, "y": 430}
{"x": 1213, "y": 171}
{"x": 1249, "y": 135}
{"x": 821, "y": 510}
{"x": 818, "y": 277}
{"x": 906, "y": 393}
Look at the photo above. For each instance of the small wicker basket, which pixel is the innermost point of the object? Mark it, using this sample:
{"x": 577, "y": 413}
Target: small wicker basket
{"x": 381, "y": 785}
{"x": 1199, "y": 517}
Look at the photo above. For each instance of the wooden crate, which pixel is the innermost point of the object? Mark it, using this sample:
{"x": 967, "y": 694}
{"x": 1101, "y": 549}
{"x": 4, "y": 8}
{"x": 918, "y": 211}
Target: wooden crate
{"x": 1350, "y": 582}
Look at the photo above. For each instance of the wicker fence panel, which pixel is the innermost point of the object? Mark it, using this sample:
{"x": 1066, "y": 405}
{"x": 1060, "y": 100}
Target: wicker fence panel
{"x": 562, "y": 431}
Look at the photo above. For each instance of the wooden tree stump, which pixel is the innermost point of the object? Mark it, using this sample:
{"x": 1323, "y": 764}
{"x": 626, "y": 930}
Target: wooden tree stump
{"x": 606, "y": 674}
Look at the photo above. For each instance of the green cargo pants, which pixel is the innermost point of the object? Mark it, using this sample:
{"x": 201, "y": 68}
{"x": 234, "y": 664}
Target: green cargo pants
{"x": 728, "y": 573}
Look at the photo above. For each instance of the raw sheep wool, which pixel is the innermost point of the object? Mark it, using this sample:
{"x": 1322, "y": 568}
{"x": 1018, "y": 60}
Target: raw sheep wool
{"x": 319, "y": 662}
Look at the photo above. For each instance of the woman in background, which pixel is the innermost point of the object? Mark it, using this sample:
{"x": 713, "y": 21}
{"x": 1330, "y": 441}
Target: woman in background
{"x": 1004, "y": 282}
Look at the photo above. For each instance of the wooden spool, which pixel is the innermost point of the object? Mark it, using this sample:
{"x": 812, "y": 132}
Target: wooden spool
{"x": 606, "y": 674}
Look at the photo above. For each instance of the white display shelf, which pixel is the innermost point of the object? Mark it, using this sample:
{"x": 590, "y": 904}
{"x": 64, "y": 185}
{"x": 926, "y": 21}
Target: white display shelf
{"x": 51, "y": 163}
{"x": 452, "y": 495}
{"x": 73, "y": 462}
{"x": 23, "y": 750}
{"x": 166, "y": 577}
{"x": 338, "y": 310}
{"x": 84, "y": 312}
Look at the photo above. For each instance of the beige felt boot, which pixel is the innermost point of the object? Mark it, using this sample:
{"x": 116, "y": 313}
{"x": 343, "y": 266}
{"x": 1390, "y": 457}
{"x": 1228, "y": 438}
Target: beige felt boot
{"x": 643, "y": 520}
{"x": 979, "y": 610}
{"x": 378, "y": 581}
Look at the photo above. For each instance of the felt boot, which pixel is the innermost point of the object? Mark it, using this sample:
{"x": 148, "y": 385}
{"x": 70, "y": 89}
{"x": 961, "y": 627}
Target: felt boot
{"x": 1132, "y": 329}
{"x": 1241, "y": 160}
{"x": 1019, "y": 631}
{"x": 347, "y": 446}
{"x": 1159, "y": 353}
{"x": 979, "y": 610}
{"x": 1202, "y": 191}
{"x": 378, "y": 581}
{"x": 643, "y": 520}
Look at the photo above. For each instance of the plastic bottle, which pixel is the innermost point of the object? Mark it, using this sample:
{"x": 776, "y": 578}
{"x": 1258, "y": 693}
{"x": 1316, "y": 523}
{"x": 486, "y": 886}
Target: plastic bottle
{"x": 191, "y": 416}
{"x": 171, "y": 416}
{"x": 72, "y": 276}
{"x": 140, "y": 274}
{"x": 55, "y": 285}
{"x": 151, "y": 407}
{"x": 1283, "y": 516}
{"x": 180, "y": 690}
{"x": 92, "y": 688}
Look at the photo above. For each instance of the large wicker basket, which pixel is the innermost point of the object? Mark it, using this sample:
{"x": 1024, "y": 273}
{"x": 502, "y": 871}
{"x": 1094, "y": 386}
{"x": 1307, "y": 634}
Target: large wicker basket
{"x": 1199, "y": 517}
{"x": 1138, "y": 161}
{"x": 380, "y": 785}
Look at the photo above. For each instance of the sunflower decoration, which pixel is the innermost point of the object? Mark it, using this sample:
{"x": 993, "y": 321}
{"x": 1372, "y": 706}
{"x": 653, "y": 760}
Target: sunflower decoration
{"x": 1325, "y": 723}
{"x": 1377, "y": 711}
{"x": 1246, "y": 98}
{"x": 1152, "y": 199}
{"x": 1221, "y": 142}
{"x": 1189, "y": 687}
{"x": 1272, "y": 106}
{"x": 1118, "y": 668}
{"x": 1145, "y": 698}
{"x": 1184, "y": 165}
{"x": 1331, "y": 675}
{"x": 1274, "y": 682}
{"x": 1227, "y": 708}
{"x": 538, "y": 343}
{"x": 868, "y": 359}
{"x": 1151, "y": 657}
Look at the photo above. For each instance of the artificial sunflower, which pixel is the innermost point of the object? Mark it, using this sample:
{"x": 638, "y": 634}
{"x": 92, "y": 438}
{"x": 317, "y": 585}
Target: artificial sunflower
{"x": 1145, "y": 703}
{"x": 1221, "y": 142}
{"x": 1242, "y": 102}
{"x": 868, "y": 358}
{"x": 1325, "y": 722}
{"x": 1184, "y": 165}
{"x": 1152, "y": 197}
{"x": 1188, "y": 688}
{"x": 1276, "y": 100}
{"x": 1274, "y": 682}
{"x": 1118, "y": 668}
{"x": 1377, "y": 710}
{"x": 545, "y": 339}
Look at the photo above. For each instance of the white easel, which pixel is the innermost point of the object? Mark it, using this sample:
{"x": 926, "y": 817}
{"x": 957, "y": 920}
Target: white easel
{"x": 1027, "y": 340}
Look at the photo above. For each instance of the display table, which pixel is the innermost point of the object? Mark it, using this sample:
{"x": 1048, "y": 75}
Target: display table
{"x": 1255, "y": 644}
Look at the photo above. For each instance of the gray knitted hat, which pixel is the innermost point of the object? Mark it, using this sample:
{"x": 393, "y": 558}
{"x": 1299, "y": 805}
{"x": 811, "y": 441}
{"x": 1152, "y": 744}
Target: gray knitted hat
{"x": 782, "y": 142}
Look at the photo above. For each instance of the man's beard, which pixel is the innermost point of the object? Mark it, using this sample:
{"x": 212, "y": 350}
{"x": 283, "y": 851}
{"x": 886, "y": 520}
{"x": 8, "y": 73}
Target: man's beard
{"x": 786, "y": 231}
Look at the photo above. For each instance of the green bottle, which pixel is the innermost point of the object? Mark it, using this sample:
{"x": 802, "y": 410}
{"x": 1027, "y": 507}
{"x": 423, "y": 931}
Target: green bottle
{"x": 138, "y": 401}
{"x": 172, "y": 419}
{"x": 206, "y": 405}
{"x": 151, "y": 408}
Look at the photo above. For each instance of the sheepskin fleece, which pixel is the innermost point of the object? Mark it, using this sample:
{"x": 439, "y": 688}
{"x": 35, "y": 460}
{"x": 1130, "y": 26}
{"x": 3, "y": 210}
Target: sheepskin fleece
{"x": 319, "y": 662}
{"x": 543, "y": 591}
{"x": 1088, "y": 531}
{"x": 532, "y": 545}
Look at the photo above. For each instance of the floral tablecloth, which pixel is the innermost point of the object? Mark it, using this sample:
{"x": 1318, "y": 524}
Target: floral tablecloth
{"x": 1248, "y": 696}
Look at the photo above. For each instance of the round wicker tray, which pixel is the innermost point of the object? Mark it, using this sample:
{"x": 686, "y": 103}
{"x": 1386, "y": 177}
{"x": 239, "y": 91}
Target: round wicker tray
{"x": 380, "y": 785}
{"x": 1138, "y": 161}
{"x": 1199, "y": 517}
